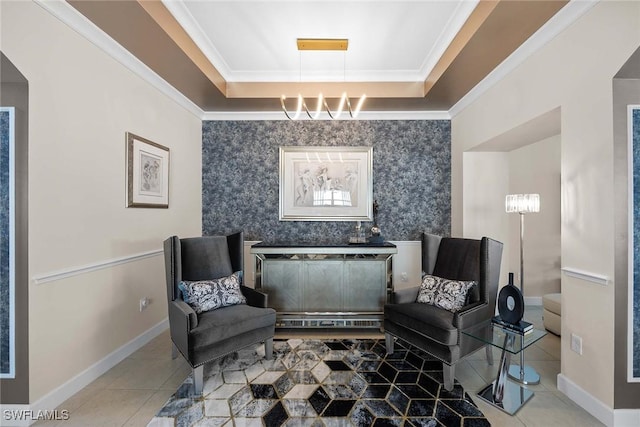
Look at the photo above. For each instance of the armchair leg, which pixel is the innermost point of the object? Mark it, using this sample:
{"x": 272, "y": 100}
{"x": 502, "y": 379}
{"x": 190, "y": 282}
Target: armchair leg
{"x": 448, "y": 372}
{"x": 489, "y": 355}
{"x": 198, "y": 379}
{"x": 174, "y": 350}
{"x": 268, "y": 349}
{"x": 388, "y": 342}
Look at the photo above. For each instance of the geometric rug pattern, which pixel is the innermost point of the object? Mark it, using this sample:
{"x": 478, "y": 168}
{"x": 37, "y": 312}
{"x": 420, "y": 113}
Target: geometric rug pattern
{"x": 322, "y": 383}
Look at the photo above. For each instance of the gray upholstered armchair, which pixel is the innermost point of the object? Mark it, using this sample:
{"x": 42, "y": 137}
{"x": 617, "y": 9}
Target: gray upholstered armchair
{"x": 211, "y": 334}
{"x": 433, "y": 329}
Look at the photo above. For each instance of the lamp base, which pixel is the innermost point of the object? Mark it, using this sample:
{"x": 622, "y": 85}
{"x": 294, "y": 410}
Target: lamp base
{"x": 530, "y": 377}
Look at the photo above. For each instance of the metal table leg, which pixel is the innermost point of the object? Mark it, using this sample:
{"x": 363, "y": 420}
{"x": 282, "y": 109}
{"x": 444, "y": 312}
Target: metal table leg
{"x": 501, "y": 393}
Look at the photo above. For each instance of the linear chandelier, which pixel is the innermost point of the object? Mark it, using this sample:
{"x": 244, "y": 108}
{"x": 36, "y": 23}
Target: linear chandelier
{"x": 323, "y": 106}
{"x": 321, "y": 103}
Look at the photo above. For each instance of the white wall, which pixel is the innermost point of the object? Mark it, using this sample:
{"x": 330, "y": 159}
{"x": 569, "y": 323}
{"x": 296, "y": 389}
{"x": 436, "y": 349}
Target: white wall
{"x": 407, "y": 264}
{"x": 573, "y": 71}
{"x": 487, "y": 178}
{"x": 486, "y": 181}
{"x": 81, "y": 104}
{"x": 535, "y": 168}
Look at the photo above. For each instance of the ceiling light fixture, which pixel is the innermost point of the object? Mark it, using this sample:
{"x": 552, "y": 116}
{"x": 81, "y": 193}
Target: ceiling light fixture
{"x": 323, "y": 44}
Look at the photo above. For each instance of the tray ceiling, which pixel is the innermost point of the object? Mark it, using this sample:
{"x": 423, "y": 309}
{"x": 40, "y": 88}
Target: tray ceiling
{"x": 241, "y": 55}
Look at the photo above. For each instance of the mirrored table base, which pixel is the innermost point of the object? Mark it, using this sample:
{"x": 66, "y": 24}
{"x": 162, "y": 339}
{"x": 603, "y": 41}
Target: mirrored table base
{"x": 502, "y": 393}
{"x": 514, "y": 397}
{"x": 528, "y": 377}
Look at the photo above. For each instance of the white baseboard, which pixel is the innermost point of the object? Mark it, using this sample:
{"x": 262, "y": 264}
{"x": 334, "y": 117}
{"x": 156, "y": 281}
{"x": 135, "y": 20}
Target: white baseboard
{"x": 589, "y": 403}
{"x": 606, "y": 415}
{"x": 57, "y": 396}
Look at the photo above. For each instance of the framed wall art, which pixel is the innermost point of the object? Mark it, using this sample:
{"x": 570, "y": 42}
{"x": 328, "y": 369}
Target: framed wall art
{"x": 633, "y": 341}
{"x": 7, "y": 244}
{"x": 147, "y": 173}
{"x": 326, "y": 183}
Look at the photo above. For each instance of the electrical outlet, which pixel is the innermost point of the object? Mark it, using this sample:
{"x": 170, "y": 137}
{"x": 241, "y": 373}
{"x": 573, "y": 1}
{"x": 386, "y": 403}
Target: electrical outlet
{"x": 404, "y": 276}
{"x": 576, "y": 344}
{"x": 144, "y": 303}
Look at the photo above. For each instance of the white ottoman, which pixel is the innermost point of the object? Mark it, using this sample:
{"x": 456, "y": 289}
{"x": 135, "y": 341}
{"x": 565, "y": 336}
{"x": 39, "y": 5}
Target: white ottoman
{"x": 552, "y": 312}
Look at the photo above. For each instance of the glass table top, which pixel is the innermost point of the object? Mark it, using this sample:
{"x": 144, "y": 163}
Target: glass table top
{"x": 495, "y": 335}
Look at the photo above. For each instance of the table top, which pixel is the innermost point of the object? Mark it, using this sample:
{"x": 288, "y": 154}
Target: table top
{"x": 495, "y": 335}
{"x": 320, "y": 244}
{"x": 318, "y": 248}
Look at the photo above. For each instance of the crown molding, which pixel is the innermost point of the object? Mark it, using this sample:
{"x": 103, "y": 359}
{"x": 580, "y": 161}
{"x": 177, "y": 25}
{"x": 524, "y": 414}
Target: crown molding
{"x": 558, "y": 23}
{"x": 323, "y": 76}
{"x": 184, "y": 17}
{"x": 364, "y": 115}
{"x": 191, "y": 26}
{"x": 452, "y": 28}
{"x": 79, "y": 23}
{"x": 68, "y": 15}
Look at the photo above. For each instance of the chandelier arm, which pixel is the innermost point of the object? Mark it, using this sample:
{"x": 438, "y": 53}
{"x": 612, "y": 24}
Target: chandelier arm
{"x": 304, "y": 105}
{"x": 349, "y": 107}
{"x": 321, "y": 103}
{"x": 326, "y": 106}
{"x": 359, "y": 105}
{"x": 284, "y": 108}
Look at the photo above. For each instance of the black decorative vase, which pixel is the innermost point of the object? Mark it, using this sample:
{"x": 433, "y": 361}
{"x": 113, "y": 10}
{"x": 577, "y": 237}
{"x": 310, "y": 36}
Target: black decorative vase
{"x": 510, "y": 303}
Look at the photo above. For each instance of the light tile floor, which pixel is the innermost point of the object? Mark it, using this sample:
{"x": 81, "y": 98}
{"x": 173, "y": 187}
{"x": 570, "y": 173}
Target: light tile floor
{"x": 549, "y": 406}
{"x": 132, "y": 392}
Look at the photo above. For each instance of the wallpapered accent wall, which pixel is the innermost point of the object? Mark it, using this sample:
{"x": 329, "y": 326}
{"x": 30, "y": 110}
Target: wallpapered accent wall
{"x": 411, "y": 177}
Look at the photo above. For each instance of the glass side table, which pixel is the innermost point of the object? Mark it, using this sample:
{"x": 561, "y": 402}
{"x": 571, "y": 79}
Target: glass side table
{"x": 503, "y": 394}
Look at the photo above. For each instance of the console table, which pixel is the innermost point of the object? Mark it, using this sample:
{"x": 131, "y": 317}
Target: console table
{"x": 325, "y": 285}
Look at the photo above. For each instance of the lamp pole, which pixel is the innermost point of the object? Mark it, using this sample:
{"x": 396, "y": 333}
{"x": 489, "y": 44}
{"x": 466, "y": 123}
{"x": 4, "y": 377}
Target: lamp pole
{"x": 524, "y": 374}
{"x": 522, "y": 252}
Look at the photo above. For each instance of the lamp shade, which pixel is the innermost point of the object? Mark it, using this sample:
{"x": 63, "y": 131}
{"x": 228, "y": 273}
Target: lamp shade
{"x": 522, "y": 203}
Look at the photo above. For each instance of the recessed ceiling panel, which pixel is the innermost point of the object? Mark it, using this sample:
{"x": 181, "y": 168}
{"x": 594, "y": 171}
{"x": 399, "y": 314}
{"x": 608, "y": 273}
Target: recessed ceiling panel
{"x": 256, "y": 40}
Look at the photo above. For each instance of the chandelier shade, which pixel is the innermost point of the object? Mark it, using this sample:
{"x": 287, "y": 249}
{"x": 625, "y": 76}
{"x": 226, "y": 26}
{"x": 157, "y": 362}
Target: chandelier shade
{"x": 522, "y": 203}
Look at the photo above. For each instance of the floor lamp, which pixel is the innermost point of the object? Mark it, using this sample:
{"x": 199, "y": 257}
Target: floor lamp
{"x": 523, "y": 204}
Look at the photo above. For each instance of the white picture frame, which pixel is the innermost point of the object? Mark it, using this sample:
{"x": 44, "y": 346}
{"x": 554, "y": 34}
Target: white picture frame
{"x": 326, "y": 183}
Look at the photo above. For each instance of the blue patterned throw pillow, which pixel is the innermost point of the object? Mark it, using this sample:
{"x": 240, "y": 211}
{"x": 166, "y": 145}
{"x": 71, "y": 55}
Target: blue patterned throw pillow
{"x": 448, "y": 294}
{"x": 206, "y": 295}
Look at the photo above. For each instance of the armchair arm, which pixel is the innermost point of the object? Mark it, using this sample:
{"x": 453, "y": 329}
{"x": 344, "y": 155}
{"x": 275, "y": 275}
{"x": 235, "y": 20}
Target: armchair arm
{"x": 185, "y": 311}
{"x": 472, "y": 314}
{"x": 255, "y": 298}
{"x": 404, "y": 296}
{"x": 182, "y": 319}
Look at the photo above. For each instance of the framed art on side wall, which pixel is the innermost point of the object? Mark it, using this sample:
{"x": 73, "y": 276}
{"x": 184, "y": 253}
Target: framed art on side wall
{"x": 8, "y": 243}
{"x": 633, "y": 343}
{"x": 147, "y": 173}
{"x": 326, "y": 183}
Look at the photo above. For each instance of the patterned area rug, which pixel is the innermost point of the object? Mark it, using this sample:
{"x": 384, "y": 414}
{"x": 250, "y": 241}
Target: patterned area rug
{"x": 322, "y": 383}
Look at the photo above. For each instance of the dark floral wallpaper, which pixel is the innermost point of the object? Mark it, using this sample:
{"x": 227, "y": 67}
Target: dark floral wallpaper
{"x": 4, "y": 243}
{"x": 636, "y": 241}
{"x": 411, "y": 176}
